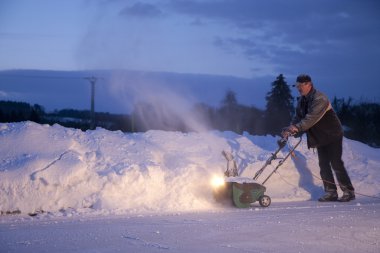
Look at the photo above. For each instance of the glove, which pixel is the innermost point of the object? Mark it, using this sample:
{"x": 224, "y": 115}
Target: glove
{"x": 289, "y": 131}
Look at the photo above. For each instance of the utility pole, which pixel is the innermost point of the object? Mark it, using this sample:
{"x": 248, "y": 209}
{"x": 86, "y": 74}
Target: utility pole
{"x": 92, "y": 81}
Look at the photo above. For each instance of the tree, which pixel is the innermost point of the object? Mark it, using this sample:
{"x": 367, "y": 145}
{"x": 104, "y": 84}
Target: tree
{"x": 229, "y": 100}
{"x": 229, "y": 113}
{"x": 360, "y": 121}
{"x": 343, "y": 108}
{"x": 279, "y": 107}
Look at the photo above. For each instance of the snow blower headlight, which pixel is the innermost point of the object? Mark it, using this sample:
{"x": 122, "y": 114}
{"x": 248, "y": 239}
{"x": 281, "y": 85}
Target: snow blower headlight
{"x": 217, "y": 182}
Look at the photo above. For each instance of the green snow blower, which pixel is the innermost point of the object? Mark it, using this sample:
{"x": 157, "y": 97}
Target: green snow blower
{"x": 242, "y": 191}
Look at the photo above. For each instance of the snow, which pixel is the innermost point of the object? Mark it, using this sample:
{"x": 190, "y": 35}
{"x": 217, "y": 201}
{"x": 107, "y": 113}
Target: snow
{"x": 103, "y": 191}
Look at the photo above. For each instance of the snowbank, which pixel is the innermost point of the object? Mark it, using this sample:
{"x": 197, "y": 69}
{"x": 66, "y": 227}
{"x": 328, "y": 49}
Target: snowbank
{"x": 51, "y": 168}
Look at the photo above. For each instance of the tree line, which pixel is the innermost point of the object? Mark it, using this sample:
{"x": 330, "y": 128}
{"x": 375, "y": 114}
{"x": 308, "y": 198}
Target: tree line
{"x": 361, "y": 121}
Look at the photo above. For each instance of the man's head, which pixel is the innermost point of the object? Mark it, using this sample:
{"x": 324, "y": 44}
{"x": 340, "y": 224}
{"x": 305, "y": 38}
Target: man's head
{"x": 304, "y": 84}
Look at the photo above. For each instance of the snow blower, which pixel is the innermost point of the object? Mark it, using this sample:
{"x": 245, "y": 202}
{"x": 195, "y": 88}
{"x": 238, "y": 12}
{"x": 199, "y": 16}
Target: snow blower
{"x": 243, "y": 191}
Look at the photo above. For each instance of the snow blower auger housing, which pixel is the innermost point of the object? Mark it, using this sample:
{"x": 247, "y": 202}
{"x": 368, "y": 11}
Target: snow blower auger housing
{"x": 242, "y": 191}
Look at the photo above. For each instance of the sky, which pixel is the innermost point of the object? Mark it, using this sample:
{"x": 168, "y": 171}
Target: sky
{"x": 336, "y": 42}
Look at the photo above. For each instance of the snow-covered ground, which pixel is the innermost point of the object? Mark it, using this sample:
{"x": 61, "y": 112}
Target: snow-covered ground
{"x": 102, "y": 191}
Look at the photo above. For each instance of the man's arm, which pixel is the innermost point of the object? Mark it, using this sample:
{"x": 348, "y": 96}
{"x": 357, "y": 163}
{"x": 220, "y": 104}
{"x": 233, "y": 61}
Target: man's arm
{"x": 318, "y": 108}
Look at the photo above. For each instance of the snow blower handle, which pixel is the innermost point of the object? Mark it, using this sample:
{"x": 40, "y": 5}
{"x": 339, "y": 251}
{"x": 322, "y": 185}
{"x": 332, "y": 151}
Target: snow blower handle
{"x": 282, "y": 142}
{"x": 285, "y": 133}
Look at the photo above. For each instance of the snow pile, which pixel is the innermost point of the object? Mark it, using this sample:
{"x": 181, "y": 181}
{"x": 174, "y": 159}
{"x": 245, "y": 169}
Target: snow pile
{"x": 51, "y": 168}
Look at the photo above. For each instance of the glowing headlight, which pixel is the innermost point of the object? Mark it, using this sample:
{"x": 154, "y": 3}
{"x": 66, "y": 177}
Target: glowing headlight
{"x": 217, "y": 181}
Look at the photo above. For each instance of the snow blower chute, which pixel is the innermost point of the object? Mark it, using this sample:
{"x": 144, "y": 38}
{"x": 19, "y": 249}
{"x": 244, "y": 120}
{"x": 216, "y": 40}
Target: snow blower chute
{"x": 242, "y": 191}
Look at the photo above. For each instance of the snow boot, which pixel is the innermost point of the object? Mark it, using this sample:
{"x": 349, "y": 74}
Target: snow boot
{"x": 347, "y": 196}
{"x": 329, "y": 196}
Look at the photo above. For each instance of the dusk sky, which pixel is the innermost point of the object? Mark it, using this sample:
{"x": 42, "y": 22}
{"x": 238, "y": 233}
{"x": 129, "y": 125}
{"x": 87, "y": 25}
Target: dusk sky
{"x": 335, "y": 41}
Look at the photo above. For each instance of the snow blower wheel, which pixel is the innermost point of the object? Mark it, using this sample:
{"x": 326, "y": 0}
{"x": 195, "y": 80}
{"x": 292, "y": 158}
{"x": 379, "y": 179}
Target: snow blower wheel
{"x": 265, "y": 201}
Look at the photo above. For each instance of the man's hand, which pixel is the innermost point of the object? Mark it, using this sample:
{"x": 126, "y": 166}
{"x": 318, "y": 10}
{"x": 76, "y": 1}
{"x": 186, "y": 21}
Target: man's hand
{"x": 290, "y": 130}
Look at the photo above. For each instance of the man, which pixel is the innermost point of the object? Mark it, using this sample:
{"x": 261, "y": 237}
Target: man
{"x": 315, "y": 116}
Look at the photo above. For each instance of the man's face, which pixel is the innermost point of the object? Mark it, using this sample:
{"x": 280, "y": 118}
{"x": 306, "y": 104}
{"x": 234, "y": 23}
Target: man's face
{"x": 303, "y": 88}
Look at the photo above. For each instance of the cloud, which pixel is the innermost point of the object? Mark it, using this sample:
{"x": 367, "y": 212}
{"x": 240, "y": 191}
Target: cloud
{"x": 303, "y": 28}
{"x": 140, "y": 9}
{"x": 3, "y": 94}
{"x": 337, "y": 43}
{"x": 245, "y": 38}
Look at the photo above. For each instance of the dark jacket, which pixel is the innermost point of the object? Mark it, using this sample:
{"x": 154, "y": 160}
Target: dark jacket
{"x": 316, "y": 117}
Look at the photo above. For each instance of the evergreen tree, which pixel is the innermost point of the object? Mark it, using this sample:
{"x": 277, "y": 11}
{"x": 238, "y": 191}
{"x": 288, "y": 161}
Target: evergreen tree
{"x": 229, "y": 113}
{"x": 229, "y": 101}
{"x": 279, "y": 108}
